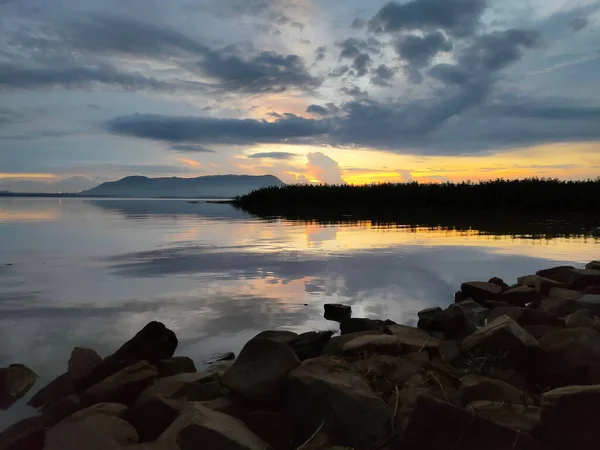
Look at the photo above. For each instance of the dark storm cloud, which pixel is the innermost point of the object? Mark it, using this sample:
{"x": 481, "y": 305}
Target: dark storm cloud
{"x": 320, "y": 53}
{"x": 8, "y": 116}
{"x": 352, "y": 47}
{"x": 273, "y": 155}
{"x": 361, "y": 64}
{"x": 382, "y": 76}
{"x": 458, "y": 17}
{"x": 358, "y": 23}
{"x": 354, "y": 91}
{"x": 418, "y": 51}
{"x": 339, "y": 71}
{"x": 190, "y": 148}
{"x": 182, "y": 129}
{"x": 297, "y": 25}
{"x": 327, "y": 110}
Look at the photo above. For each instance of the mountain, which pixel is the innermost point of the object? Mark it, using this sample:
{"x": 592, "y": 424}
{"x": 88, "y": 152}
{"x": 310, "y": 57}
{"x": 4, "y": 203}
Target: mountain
{"x": 215, "y": 186}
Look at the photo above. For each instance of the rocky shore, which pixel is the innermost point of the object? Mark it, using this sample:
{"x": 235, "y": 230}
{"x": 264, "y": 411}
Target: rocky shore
{"x": 504, "y": 367}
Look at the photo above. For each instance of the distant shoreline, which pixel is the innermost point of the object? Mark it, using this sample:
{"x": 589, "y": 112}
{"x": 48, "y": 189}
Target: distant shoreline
{"x": 81, "y": 196}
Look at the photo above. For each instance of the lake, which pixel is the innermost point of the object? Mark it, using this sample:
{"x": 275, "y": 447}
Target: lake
{"x": 78, "y": 272}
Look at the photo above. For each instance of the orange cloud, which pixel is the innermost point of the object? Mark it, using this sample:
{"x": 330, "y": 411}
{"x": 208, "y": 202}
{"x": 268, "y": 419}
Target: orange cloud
{"x": 189, "y": 162}
{"x": 26, "y": 175}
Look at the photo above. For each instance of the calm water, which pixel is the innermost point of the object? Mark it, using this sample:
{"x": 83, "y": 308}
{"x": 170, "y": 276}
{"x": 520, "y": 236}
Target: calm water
{"x": 93, "y": 272}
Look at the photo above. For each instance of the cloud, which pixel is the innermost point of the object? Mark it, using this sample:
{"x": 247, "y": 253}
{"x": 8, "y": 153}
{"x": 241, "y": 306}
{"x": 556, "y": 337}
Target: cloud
{"x": 189, "y": 162}
{"x": 273, "y": 155}
{"x": 324, "y": 169}
{"x": 353, "y": 47}
{"x": 382, "y": 76}
{"x": 191, "y": 129}
{"x": 358, "y": 23}
{"x": 418, "y": 51}
{"x": 339, "y": 71}
{"x": 327, "y": 110}
{"x": 298, "y": 25}
{"x": 320, "y": 53}
{"x": 361, "y": 63}
{"x": 192, "y": 148}
{"x": 458, "y": 17}
{"x": 355, "y": 92}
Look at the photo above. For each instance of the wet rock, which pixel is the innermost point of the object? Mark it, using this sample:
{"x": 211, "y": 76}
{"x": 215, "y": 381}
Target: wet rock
{"x": 229, "y": 356}
{"x": 153, "y": 416}
{"x": 475, "y": 387}
{"x": 519, "y": 296}
{"x": 593, "y": 265}
{"x": 309, "y": 345}
{"x": 570, "y": 418}
{"x": 28, "y": 434}
{"x": 61, "y": 386}
{"x": 61, "y": 409}
{"x": 538, "y": 331}
{"x": 335, "y": 346}
{"x": 581, "y": 318}
{"x": 377, "y": 344}
{"x": 260, "y": 371}
{"x": 82, "y": 362}
{"x": 271, "y": 427}
{"x": 153, "y": 342}
{"x": 336, "y": 311}
{"x": 517, "y": 417}
{"x": 123, "y": 387}
{"x": 474, "y": 312}
{"x": 582, "y": 278}
{"x": 561, "y": 274}
{"x": 356, "y": 325}
{"x": 327, "y": 389}
{"x": 437, "y": 425}
{"x": 480, "y": 291}
{"x": 503, "y": 337}
{"x": 499, "y": 282}
{"x": 201, "y": 386}
{"x": 174, "y": 366}
{"x": 15, "y": 382}
{"x": 91, "y": 429}
{"x": 200, "y": 427}
{"x": 570, "y": 356}
{"x": 526, "y": 316}
{"x": 590, "y": 302}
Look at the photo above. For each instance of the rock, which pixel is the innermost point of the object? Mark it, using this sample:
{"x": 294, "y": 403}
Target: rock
{"x": 82, "y": 362}
{"x": 590, "y": 302}
{"x": 431, "y": 319}
{"x": 456, "y": 324}
{"x": 154, "y": 446}
{"x": 431, "y": 382}
{"x": 201, "y": 427}
{"x": 526, "y": 317}
{"x": 558, "y": 306}
{"x": 582, "y": 278}
{"x": 480, "y": 291}
{"x": 153, "y": 342}
{"x": 260, "y": 371}
{"x": 377, "y": 344}
{"x": 229, "y": 356}
{"x": 474, "y": 312}
{"x": 592, "y": 290}
{"x": 90, "y": 429}
{"x": 123, "y": 387}
{"x": 449, "y": 351}
{"x": 570, "y": 418}
{"x": 414, "y": 339}
{"x": 356, "y": 325}
{"x": 519, "y": 296}
{"x": 563, "y": 293}
{"x": 174, "y": 366}
{"x": 61, "y": 409}
{"x": 437, "y": 425}
{"x": 580, "y": 318}
{"x": 327, "y": 389}
{"x": 336, "y": 311}
{"x": 593, "y": 265}
{"x": 517, "y": 417}
{"x": 153, "y": 416}
{"x": 219, "y": 367}
{"x": 101, "y": 371}
{"x": 498, "y": 282}
{"x": 201, "y": 386}
{"x": 570, "y": 356}
{"x": 15, "y": 382}
{"x": 493, "y": 304}
{"x": 538, "y": 331}
{"x": 561, "y": 274}
{"x": 233, "y": 405}
{"x": 540, "y": 284}
{"x": 271, "y": 427}
{"x": 309, "y": 345}
{"x": 279, "y": 335}
{"x": 62, "y": 386}
{"x": 475, "y": 387}
{"x": 503, "y": 337}
{"x": 459, "y": 297}
{"x": 335, "y": 346}
{"x": 28, "y": 434}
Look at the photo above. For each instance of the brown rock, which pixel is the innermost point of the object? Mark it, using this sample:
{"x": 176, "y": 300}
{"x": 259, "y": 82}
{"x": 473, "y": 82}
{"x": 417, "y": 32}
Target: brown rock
{"x": 153, "y": 416}
{"x": 526, "y": 317}
{"x": 538, "y": 331}
{"x": 153, "y": 342}
{"x": 103, "y": 370}
{"x": 201, "y": 427}
{"x": 580, "y": 318}
{"x": 590, "y": 302}
{"x": 498, "y": 281}
{"x": 475, "y": 387}
{"x": 61, "y": 386}
{"x": 368, "y": 345}
{"x": 570, "y": 418}
{"x": 61, "y": 409}
{"x": 219, "y": 367}
{"x": 561, "y": 274}
{"x": 327, "y": 389}
{"x": 558, "y": 306}
{"x": 517, "y": 417}
{"x": 456, "y": 324}
{"x": 593, "y": 265}
{"x": 309, "y": 345}
{"x": 414, "y": 339}
{"x": 449, "y": 351}
{"x": 15, "y": 382}
{"x": 232, "y": 404}
{"x": 335, "y": 346}
{"x": 271, "y": 427}
{"x": 474, "y": 312}
{"x": 123, "y": 387}
{"x": 356, "y": 325}
{"x": 480, "y": 291}
{"x": 519, "y": 296}
{"x": 493, "y": 304}
{"x": 82, "y": 362}
{"x": 278, "y": 335}
{"x": 28, "y": 434}
{"x": 582, "y": 278}
{"x": 201, "y": 386}
{"x": 540, "y": 284}
{"x": 563, "y": 293}
{"x": 260, "y": 371}
{"x": 174, "y": 366}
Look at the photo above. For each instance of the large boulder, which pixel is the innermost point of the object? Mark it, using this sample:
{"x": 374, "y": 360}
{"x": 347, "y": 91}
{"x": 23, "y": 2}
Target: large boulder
{"x": 28, "y": 434}
{"x": 309, "y": 345}
{"x": 93, "y": 428}
{"x": 561, "y": 274}
{"x": 82, "y": 362}
{"x": 475, "y": 387}
{"x": 538, "y": 331}
{"x": 327, "y": 390}
{"x": 431, "y": 319}
{"x": 279, "y": 335}
{"x": 200, "y": 427}
{"x": 480, "y": 291}
{"x": 15, "y": 382}
{"x": 153, "y": 342}
{"x": 337, "y": 312}
{"x": 570, "y": 418}
{"x": 260, "y": 371}
{"x": 582, "y": 278}
{"x": 570, "y": 356}
{"x": 356, "y": 325}
{"x": 61, "y": 409}
{"x": 474, "y": 312}
{"x": 503, "y": 337}
{"x": 517, "y": 417}
{"x": 123, "y": 387}
{"x": 203, "y": 386}
{"x": 453, "y": 322}
{"x": 335, "y": 346}
{"x": 153, "y": 416}
{"x": 590, "y": 302}
{"x": 374, "y": 344}
{"x": 526, "y": 316}
{"x": 582, "y": 318}
{"x": 499, "y": 281}
{"x": 415, "y": 339}
{"x": 62, "y": 386}
{"x": 560, "y": 303}
{"x": 271, "y": 427}
{"x": 437, "y": 425}
{"x": 540, "y": 284}
{"x": 105, "y": 369}
{"x": 174, "y": 366}
{"x": 519, "y": 295}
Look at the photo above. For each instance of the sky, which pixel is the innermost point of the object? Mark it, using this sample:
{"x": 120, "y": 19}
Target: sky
{"x": 330, "y": 91}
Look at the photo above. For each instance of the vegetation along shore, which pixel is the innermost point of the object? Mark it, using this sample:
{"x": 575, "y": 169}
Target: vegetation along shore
{"x": 503, "y": 367}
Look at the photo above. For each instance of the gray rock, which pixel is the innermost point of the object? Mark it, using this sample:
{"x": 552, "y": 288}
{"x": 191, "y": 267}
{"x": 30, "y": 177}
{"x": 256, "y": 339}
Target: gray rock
{"x": 519, "y": 296}
{"x": 474, "y": 312}
{"x": 279, "y": 335}
{"x": 538, "y": 331}
{"x": 526, "y": 316}
{"x": 375, "y": 344}
{"x": 414, "y": 339}
{"x": 540, "y": 284}
{"x": 82, "y": 362}
{"x": 590, "y": 302}
{"x": 581, "y": 318}
{"x": 174, "y": 366}
{"x": 480, "y": 291}
{"x": 15, "y": 381}
{"x": 475, "y": 387}
{"x": 582, "y": 278}
{"x": 561, "y": 274}
{"x": 498, "y": 281}
{"x": 260, "y": 371}
{"x": 559, "y": 306}
{"x": 61, "y": 409}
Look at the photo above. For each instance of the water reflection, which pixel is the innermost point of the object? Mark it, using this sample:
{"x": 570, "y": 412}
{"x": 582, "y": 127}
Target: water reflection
{"x": 98, "y": 270}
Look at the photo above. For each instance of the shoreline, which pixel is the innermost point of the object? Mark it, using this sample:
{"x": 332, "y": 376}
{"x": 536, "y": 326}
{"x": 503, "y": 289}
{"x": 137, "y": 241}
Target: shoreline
{"x": 502, "y": 367}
